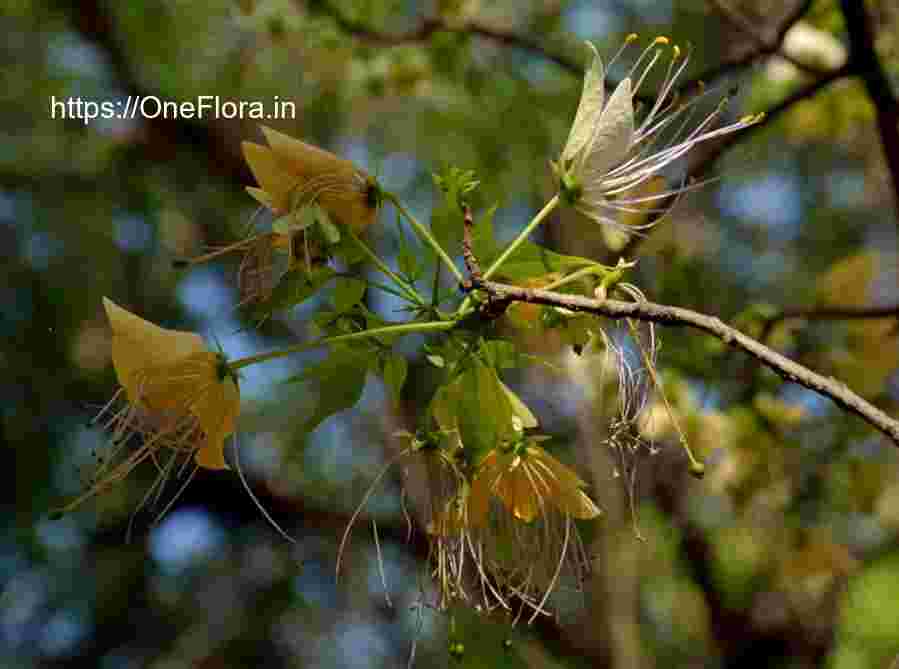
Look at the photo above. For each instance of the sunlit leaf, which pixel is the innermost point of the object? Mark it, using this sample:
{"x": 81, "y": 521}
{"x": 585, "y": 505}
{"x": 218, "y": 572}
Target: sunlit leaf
{"x": 394, "y": 369}
{"x": 348, "y": 293}
{"x": 335, "y": 384}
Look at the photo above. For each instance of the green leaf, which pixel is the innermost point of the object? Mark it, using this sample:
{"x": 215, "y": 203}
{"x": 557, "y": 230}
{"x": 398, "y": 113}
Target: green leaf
{"x": 346, "y": 249}
{"x": 348, "y": 293}
{"x": 446, "y": 221}
{"x": 519, "y": 408}
{"x": 436, "y": 360}
{"x": 294, "y": 287}
{"x": 476, "y": 404}
{"x": 500, "y": 354}
{"x": 336, "y": 383}
{"x": 529, "y": 260}
{"x": 329, "y": 232}
{"x": 393, "y": 370}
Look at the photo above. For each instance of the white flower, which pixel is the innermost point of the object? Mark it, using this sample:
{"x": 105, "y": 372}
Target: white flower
{"x": 610, "y": 156}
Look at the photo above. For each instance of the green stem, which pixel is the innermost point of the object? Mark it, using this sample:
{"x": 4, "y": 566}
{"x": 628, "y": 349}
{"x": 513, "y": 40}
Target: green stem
{"x": 402, "y": 328}
{"x": 574, "y": 276}
{"x": 426, "y": 235}
{"x": 465, "y": 308}
{"x": 523, "y": 235}
{"x": 435, "y": 294}
{"x": 411, "y": 294}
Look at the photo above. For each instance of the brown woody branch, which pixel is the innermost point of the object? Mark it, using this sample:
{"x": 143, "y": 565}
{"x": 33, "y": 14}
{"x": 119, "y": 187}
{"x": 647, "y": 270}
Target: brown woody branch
{"x": 828, "y": 314}
{"x": 768, "y": 48}
{"x": 763, "y": 44}
{"x": 471, "y": 262}
{"x": 789, "y": 370}
{"x": 430, "y": 25}
{"x": 864, "y": 63}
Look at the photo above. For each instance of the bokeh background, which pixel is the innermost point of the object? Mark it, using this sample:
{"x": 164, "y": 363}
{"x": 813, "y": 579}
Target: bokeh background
{"x": 785, "y": 555}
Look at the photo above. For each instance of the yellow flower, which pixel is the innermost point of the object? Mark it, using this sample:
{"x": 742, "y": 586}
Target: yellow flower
{"x": 172, "y": 371}
{"x": 180, "y": 399}
{"x": 527, "y": 479}
{"x": 292, "y": 174}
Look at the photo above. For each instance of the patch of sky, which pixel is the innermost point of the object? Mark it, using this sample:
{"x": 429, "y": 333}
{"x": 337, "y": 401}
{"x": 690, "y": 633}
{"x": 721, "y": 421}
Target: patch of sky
{"x": 864, "y": 532}
{"x": 356, "y": 151}
{"x": 70, "y": 55}
{"x": 23, "y": 598}
{"x": 397, "y": 566}
{"x": 539, "y": 71}
{"x": 62, "y": 633}
{"x": 184, "y": 538}
{"x": 81, "y": 448}
{"x": 397, "y": 171}
{"x": 40, "y": 248}
{"x": 209, "y": 299}
{"x": 8, "y": 207}
{"x": 587, "y": 19}
{"x": 509, "y": 221}
{"x": 335, "y": 454}
{"x": 259, "y": 456}
{"x": 773, "y": 201}
{"x": 59, "y": 536}
{"x": 813, "y": 403}
{"x": 846, "y": 188}
{"x": 132, "y": 233}
{"x": 315, "y": 584}
{"x": 20, "y": 209}
{"x": 358, "y": 645}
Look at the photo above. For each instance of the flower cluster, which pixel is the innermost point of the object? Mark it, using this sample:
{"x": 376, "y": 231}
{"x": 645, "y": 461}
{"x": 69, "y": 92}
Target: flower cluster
{"x": 502, "y": 511}
{"x": 502, "y": 528}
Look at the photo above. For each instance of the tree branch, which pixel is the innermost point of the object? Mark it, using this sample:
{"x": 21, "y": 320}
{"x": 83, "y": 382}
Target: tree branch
{"x": 428, "y": 26}
{"x": 789, "y": 370}
{"x": 765, "y": 45}
{"x": 828, "y": 314}
{"x": 864, "y": 62}
{"x": 751, "y": 56}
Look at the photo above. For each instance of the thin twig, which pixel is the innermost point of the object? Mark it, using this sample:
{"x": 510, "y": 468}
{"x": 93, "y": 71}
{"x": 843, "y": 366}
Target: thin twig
{"x": 471, "y": 262}
{"x": 828, "y": 314}
{"x": 764, "y": 45}
{"x": 668, "y": 315}
{"x": 430, "y": 25}
{"x": 745, "y": 60}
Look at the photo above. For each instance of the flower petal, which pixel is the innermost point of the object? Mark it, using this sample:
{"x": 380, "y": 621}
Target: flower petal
{"x": 482, "y": 489}
{"x": 305, "y": 160}
{"x": 564, "y": 486}
{"x": 273, "y": 177}
{"x": 139, "y": 345}
{"x": 262, "y": 197}
{"x": 588, "y": 110}
{"x": 612, "y": 137}
{"x": 217, "y": 411}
